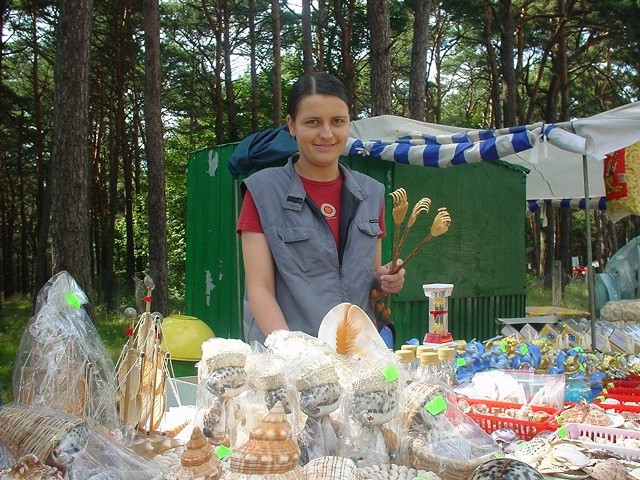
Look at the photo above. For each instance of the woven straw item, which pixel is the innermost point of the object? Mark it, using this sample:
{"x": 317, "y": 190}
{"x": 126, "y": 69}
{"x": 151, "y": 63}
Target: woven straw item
{"x": 414, "y": 397}
{"x": 313, "y": 375}
{"x": 226, "y": 359}
{"x": 26, "y": 429}
{"x": 374, "y": 381}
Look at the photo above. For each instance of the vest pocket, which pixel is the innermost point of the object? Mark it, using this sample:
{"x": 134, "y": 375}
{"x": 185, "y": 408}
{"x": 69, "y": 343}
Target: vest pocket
{"x": 299, "y": 249}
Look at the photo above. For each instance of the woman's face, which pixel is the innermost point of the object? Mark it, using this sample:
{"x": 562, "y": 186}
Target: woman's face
{"x": 321, "y": 128}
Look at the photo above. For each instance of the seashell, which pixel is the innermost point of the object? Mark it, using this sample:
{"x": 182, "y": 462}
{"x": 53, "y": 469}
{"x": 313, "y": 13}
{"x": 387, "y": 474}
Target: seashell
{"x": 570, "y": 455}
{"x": 392, "y": 471}
{"x": 330, "y": 468}
{"x": 198, "y": 460}
{"x": 270, "y": 449}
{"x": 610, "y": 469}
{"x": 597, "y": 417}
{"x": 505, "y": 469}
{"x": 533, "y": 450}
{"x": 174, "y": 430}
{"x": 29, "y": 467}
{"x": 349, "y": 331}
{"x": 575, "y": 414}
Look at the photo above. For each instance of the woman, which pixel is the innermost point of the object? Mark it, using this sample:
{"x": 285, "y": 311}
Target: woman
{"x": 311, "y": 230}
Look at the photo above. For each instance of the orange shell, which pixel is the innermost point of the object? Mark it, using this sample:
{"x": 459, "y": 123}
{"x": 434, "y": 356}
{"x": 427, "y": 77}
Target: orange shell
{"x": 270, "y": 449}
{"x": 198, "y": 460}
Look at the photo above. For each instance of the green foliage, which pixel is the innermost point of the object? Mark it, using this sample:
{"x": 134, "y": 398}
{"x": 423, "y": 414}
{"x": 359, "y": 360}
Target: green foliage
{"x": 575, "y": 295}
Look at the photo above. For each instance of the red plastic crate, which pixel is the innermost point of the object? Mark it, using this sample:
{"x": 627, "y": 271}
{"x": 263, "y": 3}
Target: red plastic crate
{"x": 630, "y": 392}
{"x": 613, "y": 383}
{"x": 526, "y": 430}
{"x": 621, "y": 398}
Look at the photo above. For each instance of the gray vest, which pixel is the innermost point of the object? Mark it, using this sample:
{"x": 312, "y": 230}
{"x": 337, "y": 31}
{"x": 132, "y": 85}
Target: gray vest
{"x": 311, "y": 275}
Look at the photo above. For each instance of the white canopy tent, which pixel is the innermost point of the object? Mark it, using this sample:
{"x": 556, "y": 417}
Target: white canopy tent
{"x": 556, "y": 167}
{"x": 564, "y": 163}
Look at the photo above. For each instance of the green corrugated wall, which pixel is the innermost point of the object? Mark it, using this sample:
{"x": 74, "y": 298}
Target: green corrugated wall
{"x": 482, "y": 254}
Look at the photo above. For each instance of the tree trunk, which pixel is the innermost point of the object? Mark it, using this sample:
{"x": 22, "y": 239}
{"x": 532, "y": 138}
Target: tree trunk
{"x": 277, "y": 64}
{"x": 155, "y": 158}
{"x": 255, "y": 107}
{"x": 307, "y": 43}
{"x": 322, "y": 8}
{"x": 232, "y": 121}
{"x": 70, "y": 154}
{"x": 418, "y": 69}
{"x": 507, "y": 48}
{"x": 549, "y": 245}
{"x": 494, "y": 74}
{"x": 345, "y": 23}
{"x": 565, "y": 242}
{"x": 380, "y": 57}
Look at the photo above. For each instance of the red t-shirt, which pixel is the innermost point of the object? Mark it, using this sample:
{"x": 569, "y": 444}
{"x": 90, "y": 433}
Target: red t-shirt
{"x": 326, "y": 195}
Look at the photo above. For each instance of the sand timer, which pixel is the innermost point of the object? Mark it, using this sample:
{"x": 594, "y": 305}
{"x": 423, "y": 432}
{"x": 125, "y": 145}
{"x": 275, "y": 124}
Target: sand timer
{"x": 438, "y": 294}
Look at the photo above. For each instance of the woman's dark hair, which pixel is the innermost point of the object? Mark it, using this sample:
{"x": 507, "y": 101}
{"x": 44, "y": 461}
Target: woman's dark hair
{"x": 315, "y": 83}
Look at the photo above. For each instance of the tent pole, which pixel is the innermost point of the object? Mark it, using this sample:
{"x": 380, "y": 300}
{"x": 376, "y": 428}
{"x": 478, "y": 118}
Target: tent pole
{"x": 590, "y": 274}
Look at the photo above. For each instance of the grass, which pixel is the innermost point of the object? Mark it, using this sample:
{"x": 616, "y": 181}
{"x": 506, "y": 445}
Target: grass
{"x": 575, "y": 295}
{"x": 16, "y": 312}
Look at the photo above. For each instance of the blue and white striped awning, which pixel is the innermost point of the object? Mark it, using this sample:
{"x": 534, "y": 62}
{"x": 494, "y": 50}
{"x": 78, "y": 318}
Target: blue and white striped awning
{"x": 442, "y": 151}
{"x": 533, "y": 206}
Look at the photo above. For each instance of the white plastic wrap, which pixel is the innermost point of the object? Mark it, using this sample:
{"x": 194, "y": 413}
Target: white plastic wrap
{"x": 370, "y": 407}
{"x": 61, "y": 362}
{"x": 621, "y": 311}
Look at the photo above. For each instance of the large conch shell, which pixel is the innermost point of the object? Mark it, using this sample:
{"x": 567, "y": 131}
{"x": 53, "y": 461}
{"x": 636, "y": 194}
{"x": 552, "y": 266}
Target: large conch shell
{"x": 29, "y": 467}
{"x": 349, "y": 330}
{"x": 198, "y": 460}
{"x": 331, "y": 468}
{"x": 270, "y": 453}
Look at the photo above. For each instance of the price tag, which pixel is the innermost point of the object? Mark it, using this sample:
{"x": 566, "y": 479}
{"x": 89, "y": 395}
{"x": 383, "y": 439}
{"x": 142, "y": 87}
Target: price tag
{"x": 604, "y": 390}
{"x": 222, "y": 451}
{"x": 562, "y": 432}
{"x": 436, "y": 406}
{"x": 600, "y": 397}
{"x": 503, "y": 345}
{"x": 73, "y": 300}
{"x": 390, "y": 373}
{"x": 461, "y": 362}
{"x": 524, "y": 349}
{"x": 559, "y": 420}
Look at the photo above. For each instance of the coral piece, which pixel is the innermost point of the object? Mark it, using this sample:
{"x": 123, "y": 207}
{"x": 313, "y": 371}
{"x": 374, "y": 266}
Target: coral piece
{"x": 198, "y": 460}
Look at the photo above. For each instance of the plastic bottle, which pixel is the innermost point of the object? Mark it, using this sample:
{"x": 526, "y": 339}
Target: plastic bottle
{"x": 447, "y": 357}
{"x": 405, "y": 359}
{"x": 429, "y": 369}
{"x": 412, "y": 349}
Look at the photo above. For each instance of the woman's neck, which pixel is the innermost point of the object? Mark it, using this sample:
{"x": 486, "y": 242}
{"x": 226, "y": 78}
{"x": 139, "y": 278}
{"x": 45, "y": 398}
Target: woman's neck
{"x": 319, "y": 174}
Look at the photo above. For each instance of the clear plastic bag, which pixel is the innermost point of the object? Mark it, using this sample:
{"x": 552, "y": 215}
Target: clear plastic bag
{"x": 61, "y": 362}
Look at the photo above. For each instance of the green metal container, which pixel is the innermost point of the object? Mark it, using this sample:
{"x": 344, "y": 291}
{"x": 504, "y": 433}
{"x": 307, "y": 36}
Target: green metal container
{"x": 482, "y": 254}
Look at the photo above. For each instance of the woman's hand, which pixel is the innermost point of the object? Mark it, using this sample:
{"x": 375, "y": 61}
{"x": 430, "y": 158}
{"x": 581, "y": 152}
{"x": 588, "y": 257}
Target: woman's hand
{"x": 391, "y": 280}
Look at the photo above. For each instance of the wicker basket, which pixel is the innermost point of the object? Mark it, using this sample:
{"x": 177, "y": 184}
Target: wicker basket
{"x": 26, "y": 429}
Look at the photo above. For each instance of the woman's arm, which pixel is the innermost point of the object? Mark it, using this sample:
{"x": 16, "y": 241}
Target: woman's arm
{"x": 391, "y": 283}
{"x": 259, "y": 276}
